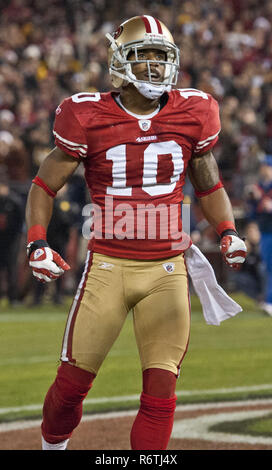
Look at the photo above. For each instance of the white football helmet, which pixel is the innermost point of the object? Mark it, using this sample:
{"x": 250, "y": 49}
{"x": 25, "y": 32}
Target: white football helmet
{"x": 142, "y": 32}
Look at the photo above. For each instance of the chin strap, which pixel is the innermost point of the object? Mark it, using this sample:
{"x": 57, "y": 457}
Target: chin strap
{"x": 152, "y": 92}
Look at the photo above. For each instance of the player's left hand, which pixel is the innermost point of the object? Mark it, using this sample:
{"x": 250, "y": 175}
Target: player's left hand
{"x": 234, "y": 251}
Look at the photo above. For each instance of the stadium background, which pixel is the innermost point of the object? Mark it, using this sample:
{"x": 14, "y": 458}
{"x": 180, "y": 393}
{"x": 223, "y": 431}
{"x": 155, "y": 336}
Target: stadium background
{"x": 50, "y": 50}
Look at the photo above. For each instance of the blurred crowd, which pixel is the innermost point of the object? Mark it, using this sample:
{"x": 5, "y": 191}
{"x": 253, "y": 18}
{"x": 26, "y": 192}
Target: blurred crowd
{"x": 50, "y": 50}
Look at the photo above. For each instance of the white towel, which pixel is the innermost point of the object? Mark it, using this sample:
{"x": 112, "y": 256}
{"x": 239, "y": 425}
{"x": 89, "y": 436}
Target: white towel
{"x": 216, "y": 304}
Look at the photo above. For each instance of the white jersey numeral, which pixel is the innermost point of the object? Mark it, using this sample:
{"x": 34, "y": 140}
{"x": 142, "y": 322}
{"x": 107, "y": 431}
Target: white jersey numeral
{"x": 118, "y": 156}
{"x": 82, "y": 97}
{"x": 151, "y": 157}
{"x": 187, "y": 92}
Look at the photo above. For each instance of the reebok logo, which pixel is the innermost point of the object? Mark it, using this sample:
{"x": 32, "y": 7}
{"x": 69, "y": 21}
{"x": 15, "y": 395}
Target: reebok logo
{"x": 105, "y": 265}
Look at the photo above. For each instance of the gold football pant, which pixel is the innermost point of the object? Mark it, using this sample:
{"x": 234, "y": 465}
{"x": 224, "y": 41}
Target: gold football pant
{"x": 155, "y": 291}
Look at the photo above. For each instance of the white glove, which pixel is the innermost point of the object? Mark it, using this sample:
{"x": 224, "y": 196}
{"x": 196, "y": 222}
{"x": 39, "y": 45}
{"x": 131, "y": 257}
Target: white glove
{"x": 234, "y": 251}
{"x": 47, "y": 265}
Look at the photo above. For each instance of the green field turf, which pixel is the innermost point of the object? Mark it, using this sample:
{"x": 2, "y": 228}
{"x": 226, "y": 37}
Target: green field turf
{"x": 236, "y": 354}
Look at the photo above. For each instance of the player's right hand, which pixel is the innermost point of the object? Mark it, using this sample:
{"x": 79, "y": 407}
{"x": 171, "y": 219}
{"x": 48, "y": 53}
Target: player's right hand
{"x": 47, "y": 265}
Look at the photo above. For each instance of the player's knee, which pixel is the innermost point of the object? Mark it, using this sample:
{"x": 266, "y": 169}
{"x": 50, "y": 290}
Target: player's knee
{"x": 72, "y": 384}
{"x": 159, "y": 383}
{"x": 62, "y": 409}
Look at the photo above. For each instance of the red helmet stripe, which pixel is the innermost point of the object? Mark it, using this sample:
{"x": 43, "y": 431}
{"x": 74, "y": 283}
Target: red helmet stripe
{"x": 152, "y": 25}
{"x": 147, "y": 24}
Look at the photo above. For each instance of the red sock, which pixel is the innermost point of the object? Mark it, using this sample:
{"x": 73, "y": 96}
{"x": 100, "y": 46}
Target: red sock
{"x": 62, "y": 410}
{"x": 153, "y": 425}
{"x": 154, "y": 422}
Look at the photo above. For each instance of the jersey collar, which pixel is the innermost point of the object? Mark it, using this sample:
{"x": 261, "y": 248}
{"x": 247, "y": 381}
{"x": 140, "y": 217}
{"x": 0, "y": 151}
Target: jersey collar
{"x": 137, "y": 116}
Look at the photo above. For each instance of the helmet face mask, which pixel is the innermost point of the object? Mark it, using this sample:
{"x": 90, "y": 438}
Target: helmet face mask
{"x": 171, "y": 65}
{"x": 121, "y": 47}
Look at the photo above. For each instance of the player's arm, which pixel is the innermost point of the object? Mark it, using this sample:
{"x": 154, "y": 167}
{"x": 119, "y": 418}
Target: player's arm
{"x": 53, "y": 173}
{"x": 216, "y": 206}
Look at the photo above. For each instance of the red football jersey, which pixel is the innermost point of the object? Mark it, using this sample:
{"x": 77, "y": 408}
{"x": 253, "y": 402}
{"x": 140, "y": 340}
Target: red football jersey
{"x": 135, "y": 166}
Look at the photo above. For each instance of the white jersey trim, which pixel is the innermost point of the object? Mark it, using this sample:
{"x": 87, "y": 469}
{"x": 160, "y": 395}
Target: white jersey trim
{"x": 75, "y": 146}
{"x": 203, "y": 143}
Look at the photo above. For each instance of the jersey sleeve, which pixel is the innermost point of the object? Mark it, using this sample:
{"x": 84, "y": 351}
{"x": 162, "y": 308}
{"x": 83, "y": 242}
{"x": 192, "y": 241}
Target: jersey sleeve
{"x": 210, "y": 129}
{"x": 69, "y": 135}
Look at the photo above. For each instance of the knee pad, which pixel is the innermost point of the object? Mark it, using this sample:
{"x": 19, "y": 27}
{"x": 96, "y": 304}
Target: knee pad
{"x": 62, "y": 410}
{"x": 73, "y": 383}
{"x": 159, "y": 383}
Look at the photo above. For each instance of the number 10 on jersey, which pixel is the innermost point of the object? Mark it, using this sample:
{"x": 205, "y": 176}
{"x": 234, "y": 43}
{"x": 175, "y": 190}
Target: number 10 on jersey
{"x": 118, "y": 155}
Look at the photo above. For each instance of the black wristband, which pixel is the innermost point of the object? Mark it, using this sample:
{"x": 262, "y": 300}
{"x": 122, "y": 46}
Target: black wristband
{"x": 32, "y": 246}
{"x": 229, "y": 232}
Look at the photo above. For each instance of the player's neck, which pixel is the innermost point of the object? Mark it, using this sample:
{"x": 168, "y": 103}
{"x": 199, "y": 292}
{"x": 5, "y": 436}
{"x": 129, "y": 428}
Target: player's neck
{"x": 136, "y": 103}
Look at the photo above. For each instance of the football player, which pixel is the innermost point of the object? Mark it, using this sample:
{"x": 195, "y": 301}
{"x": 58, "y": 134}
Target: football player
{"x": 136, "y": 144}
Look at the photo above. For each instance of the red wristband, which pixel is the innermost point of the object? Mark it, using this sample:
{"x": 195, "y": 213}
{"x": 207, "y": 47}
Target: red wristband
{"x": 36, "y": 232}
{"x": 39, "y": 182}
{"x": 225, "y": 225}
{"x": 209, "y": 191}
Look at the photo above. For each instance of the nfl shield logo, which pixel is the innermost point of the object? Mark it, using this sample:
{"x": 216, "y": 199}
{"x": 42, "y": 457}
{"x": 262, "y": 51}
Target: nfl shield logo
{"x": 169, "y": 267}
{"x": 144, "y": 124}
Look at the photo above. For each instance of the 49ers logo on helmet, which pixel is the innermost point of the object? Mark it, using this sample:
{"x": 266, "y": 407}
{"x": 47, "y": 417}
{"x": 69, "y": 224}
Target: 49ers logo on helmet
{"x": 118, "y": 32}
